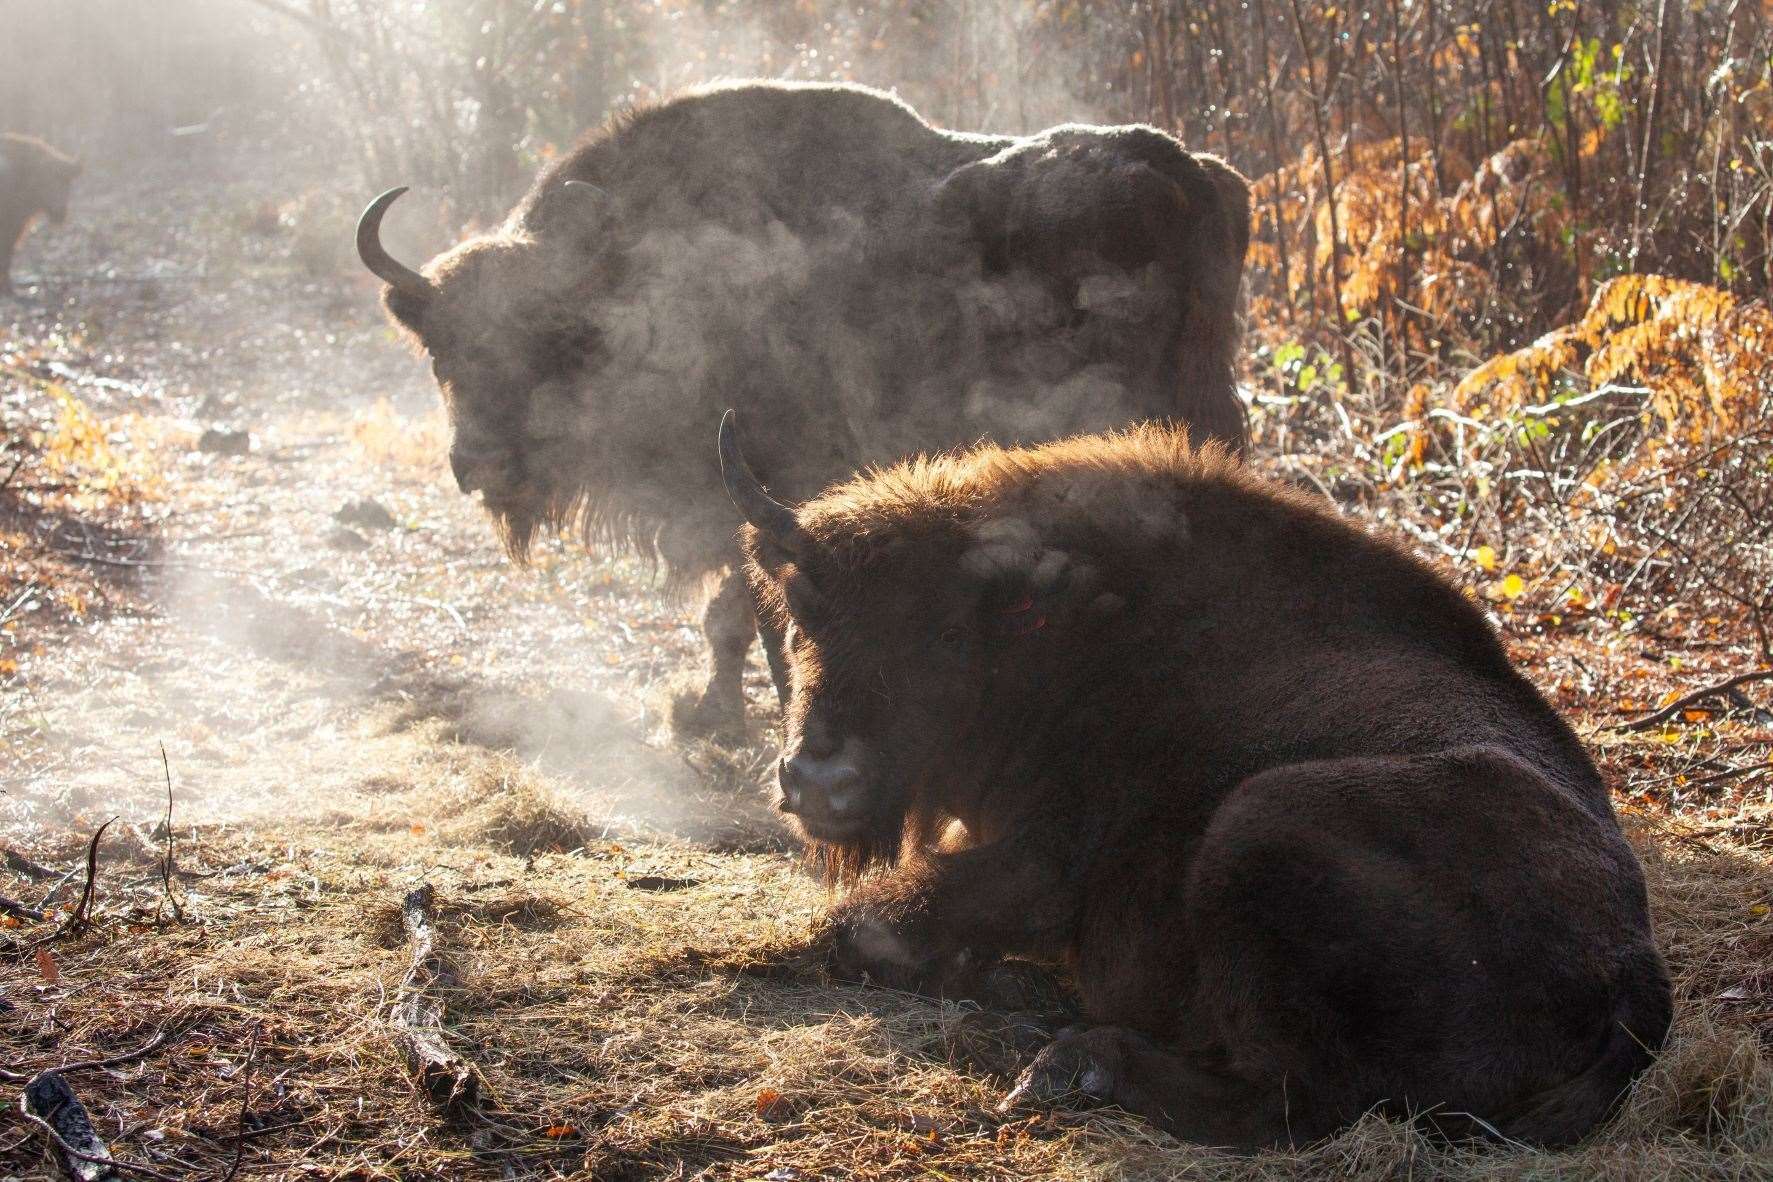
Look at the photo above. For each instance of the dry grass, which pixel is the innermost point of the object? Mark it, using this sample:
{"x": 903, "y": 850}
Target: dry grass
{"x": 642, "y": 1010}
{"x": 505, "y": 805}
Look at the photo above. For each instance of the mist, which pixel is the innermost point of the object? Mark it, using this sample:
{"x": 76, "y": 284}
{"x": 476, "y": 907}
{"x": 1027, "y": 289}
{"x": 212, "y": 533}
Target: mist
{"x": 277, "y": 121}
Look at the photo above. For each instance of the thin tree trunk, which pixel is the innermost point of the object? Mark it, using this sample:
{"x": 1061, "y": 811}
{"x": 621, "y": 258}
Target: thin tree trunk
{"x": 1648, "y": 154}
{"x": 1323, "y": 148}
{"x": 1405, "y": 269}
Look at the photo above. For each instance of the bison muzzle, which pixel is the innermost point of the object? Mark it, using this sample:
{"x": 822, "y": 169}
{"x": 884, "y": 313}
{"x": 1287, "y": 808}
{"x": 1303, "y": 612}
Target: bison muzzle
{"x": 1308, "y": 843}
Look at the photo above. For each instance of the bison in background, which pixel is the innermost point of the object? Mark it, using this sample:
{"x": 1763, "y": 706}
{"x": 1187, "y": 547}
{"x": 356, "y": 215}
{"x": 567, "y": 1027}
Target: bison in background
{"x": 34, "y": 179}
{"x": 1269, "y": 786}
{"x": 867, "y": 285}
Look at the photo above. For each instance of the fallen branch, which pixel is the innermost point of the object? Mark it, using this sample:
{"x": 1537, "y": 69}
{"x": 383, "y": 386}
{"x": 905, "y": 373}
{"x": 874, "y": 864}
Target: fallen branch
{"x": 51, "y": 1103}
{"x": 450, "y": 1080}
{"x": 19, "y": 910}
{"x": 1692, "y": 699}
{"x": 19, "y": 864}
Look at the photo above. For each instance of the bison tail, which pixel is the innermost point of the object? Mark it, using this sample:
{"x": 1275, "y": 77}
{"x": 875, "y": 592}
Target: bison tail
{"x": 1566, "y": 1113}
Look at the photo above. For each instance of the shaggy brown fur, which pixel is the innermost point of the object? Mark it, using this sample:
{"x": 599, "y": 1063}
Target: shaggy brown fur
{"x": 34, "y": 179}
{"x": 1271, "y": 787}
{"x": 836, "y": 265}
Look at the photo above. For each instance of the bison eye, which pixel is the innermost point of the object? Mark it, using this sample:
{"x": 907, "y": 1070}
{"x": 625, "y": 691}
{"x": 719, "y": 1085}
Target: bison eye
{"x": 804, "y": 601}
{"x": 955, "y": 637}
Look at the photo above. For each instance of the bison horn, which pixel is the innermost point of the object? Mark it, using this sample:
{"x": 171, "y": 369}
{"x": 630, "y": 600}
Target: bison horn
{"x": 381, "y": 264}
{"x": 772, "y": 518}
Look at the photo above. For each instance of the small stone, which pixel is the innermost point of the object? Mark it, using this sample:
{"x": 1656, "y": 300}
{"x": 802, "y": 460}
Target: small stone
{"x": 221, "y": 442}
{"x": 365, "y": 513}
{"x": 347, "y": 539}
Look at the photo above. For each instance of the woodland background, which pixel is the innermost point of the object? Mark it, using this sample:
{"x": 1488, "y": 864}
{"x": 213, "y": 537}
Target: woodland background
{"x": 1507, "y": 296}
{"x": 1513, "y": 257}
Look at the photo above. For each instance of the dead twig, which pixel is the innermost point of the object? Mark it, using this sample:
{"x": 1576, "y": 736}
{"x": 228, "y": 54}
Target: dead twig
{"x": 1692, "y": 699}
{"x": 450, "y": 1080}
{"x": 16, "y": 465}
{"x": 79, "y": 919}
{"x": 252, "y": 1054}
{"x": 50, "y": 894}
{"x": 166, "y": 867}
{"x": 153, "y": 1044}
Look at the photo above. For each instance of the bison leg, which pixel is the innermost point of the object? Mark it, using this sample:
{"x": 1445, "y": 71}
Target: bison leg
{"x": 940, "y": 921}
{"x": 718, "y": 710}
{"x": 8, "y": 243}
{"x": 1114, "y": 1065}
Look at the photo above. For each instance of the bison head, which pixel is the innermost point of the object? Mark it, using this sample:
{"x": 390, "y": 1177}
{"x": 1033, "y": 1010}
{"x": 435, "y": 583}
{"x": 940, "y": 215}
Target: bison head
{"x": 505, "y": 323}
{"x": 926, "y": 615}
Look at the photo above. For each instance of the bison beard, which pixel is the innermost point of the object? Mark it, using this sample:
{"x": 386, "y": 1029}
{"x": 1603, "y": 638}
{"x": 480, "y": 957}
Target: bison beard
{"x": 34, "y": 179}
{"x": 868, "y": 284}
{"x": 1308, "y": 843}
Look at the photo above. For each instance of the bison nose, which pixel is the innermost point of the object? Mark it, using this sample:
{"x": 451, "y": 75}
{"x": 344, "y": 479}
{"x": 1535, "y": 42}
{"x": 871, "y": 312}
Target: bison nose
{"x": 820, "y": 789}
{"x": 474, "y": 468}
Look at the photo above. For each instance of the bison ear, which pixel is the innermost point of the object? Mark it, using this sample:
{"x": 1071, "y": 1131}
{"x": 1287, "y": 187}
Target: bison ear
{"x": 790, "y": 570}
{"x": 1233, "y": 193}
{"x": 578, "y": 211}
{"x": 405, "y": 307}
{"x": 974, "y": 199}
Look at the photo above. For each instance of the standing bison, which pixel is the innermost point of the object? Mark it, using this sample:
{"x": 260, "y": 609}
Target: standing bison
{"x": 866, "y": 284}
{"x": 34, "y": 179}
{"x": 1309, "y": 844}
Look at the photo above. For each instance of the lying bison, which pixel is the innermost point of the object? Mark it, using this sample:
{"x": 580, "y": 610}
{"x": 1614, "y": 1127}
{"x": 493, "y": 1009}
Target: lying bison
{"x": 864, "y": 282}
{"x": 1270, "y": 787}
{"x": 34, "y": 179}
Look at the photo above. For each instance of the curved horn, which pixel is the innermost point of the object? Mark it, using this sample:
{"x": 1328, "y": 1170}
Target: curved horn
{"x": 381, "y": 264}
{"x": 771, "y": 517}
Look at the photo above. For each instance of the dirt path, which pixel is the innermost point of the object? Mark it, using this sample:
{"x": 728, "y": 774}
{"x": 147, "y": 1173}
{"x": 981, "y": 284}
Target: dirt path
{"x": 306, "y": 604}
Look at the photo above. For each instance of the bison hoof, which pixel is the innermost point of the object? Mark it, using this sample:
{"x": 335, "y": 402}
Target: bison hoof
{"x": 1079, "y": 1066}
{"x": 872, "y": 951}
{"x": 704, "y": 715}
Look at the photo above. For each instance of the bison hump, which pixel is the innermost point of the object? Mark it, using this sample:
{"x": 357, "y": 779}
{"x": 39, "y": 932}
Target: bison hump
{"x": 1125, "y": 196}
